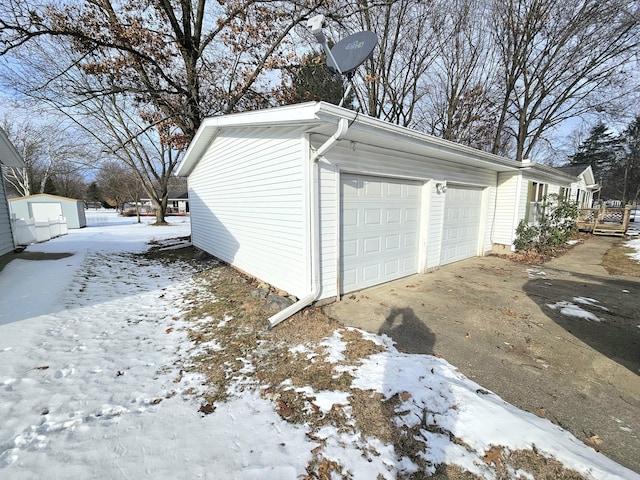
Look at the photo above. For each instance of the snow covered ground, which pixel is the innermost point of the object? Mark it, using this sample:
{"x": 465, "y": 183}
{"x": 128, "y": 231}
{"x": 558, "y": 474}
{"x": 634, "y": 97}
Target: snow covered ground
{"x": 88, "y": 348}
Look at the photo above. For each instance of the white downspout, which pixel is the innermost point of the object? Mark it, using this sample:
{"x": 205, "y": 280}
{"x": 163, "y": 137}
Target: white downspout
{"x": 314, "y": 202}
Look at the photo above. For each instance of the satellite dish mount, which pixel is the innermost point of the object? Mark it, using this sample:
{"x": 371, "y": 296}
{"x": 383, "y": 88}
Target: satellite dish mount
{"x": 346, "y": 55}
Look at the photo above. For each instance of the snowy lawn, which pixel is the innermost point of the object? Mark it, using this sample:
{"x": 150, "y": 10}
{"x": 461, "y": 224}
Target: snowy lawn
{"x": 112, "y": 365}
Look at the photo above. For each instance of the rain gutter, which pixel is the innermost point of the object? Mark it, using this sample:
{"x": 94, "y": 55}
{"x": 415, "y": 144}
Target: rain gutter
{"x": 314, "y": 202}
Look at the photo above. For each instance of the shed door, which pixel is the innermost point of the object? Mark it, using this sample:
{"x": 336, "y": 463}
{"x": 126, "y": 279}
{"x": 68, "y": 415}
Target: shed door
{"x": 44, "y": 211}
{"x": 461, "y": 223}
{"x": 380, "y": 225}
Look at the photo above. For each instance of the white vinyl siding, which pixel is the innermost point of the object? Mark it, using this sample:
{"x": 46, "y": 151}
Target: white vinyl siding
{"x": 6, "y": 237}
{"x": 507, "y": 206}
{"x": 248, "y": 205}
{"x": 380, "y": 230}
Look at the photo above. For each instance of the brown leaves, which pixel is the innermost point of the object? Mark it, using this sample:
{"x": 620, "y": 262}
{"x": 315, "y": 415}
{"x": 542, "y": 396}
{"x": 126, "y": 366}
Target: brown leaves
{"x": 284, "y": 410}
{"x": 207, "y": 408}
{"x": 493, "y": 456}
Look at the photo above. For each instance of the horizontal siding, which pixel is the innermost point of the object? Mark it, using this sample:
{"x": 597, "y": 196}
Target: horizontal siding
{"x": 367, "y": 160}
{"x": 503, "y": 229}
{"x": 6, "y": 237}
{"x": 248, "y": 205}
{"x": 435, "y": 219}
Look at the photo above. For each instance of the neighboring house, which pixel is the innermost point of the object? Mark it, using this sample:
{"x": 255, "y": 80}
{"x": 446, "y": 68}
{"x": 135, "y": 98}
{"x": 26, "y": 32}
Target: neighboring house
{"x": 582, "y": 189}
{"x": 9, "y": 157}
{"x": 320, "y": 201}
{"x": 44, "y": 207}
{"x": 177, "y": 203}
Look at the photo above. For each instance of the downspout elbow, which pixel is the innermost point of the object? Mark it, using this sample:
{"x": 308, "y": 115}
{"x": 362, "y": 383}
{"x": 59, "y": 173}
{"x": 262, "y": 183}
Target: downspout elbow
{"x": 341, "y": 131}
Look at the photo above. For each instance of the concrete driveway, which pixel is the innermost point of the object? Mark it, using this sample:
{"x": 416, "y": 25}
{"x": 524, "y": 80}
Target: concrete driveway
{"x": 561, "y": 340}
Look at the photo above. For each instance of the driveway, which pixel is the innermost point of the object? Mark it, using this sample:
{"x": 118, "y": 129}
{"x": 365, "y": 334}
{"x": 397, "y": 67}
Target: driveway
{"x": 561, "y": 340}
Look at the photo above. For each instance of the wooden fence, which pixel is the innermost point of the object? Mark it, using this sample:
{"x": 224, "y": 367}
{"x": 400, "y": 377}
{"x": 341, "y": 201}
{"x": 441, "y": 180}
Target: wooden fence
{"x": 605, "y": 220}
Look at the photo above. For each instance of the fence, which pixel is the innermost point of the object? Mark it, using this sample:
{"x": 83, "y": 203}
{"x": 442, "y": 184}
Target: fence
{"x": 29, "y": 231}
{"x": 605, "y": 220}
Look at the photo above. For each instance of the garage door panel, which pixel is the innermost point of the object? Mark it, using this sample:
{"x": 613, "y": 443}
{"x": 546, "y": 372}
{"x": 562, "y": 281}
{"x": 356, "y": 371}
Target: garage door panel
{"x": 380, "y": 216}
{"x": 461, "y": 227}
{"x": 394, "y": 216}
{"x": 371, "y": 245}
{"x": 373, "y": 216}
{"x": 392, "y": 242}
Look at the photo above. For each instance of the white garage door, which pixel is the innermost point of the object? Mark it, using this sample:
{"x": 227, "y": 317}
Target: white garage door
{"x": 380, "y": 224}
{"x": 461, "y": 223}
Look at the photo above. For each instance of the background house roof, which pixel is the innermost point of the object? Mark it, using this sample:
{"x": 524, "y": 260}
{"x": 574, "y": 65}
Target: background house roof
{"x": 576, "y": 170}
{"x": 9, "y": 156}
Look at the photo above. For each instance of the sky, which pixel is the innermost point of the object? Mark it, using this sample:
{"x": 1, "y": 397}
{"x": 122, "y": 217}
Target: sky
{"x": 88, "y": 348}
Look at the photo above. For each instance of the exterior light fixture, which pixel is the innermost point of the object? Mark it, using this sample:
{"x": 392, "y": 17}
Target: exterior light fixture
{"x": 441, "y": 188}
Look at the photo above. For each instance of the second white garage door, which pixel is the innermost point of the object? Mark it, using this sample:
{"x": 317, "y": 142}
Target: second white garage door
{"x": 461, "y": 223}
{"x": 380, "y": 228}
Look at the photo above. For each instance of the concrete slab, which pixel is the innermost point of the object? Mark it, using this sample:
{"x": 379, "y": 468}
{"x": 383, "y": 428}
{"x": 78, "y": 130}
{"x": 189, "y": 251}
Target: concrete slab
{"x": 502, "y": 324}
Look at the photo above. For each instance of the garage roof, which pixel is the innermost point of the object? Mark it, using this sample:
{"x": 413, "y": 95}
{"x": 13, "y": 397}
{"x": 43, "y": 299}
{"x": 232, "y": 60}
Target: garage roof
{"x": 321, "y": 119}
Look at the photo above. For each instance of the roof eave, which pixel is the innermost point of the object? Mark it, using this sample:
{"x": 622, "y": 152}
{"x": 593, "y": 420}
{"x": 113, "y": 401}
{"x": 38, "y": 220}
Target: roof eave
{"x": 9, "y": 156}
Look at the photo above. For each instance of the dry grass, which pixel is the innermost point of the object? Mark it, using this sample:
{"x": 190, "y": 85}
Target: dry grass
{"x": 234, "y": 349}
{"x": 617, "y": 262}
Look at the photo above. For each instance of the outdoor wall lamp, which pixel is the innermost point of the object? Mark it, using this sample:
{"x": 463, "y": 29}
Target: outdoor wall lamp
{"x": 441, "y": 187}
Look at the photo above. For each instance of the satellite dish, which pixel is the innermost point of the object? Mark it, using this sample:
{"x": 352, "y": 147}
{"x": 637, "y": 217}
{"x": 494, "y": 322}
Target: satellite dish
{"x": 351, "y": 52}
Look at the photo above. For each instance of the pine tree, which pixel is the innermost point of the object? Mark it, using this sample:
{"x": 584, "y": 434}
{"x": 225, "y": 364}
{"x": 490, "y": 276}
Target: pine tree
{"x": 629, "y": 168}
{"x": 311, "y": 80}
{"x": 602, "y": 150}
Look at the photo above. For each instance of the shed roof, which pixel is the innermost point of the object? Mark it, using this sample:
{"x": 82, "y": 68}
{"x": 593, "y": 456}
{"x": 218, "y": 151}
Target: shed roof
{"x": 9, "y": 156}
{"x": 46, "y": 195}
{"x": 321, "y": 119}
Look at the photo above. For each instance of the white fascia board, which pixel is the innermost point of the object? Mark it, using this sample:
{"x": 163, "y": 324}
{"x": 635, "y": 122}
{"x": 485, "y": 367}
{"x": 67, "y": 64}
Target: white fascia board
{"x": 9, "y": 156}
{"x": 426, "y": 144}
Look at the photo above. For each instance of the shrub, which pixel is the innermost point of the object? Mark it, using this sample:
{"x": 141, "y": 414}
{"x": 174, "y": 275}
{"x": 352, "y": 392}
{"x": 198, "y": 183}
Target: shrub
{"x": 558, "y": 223}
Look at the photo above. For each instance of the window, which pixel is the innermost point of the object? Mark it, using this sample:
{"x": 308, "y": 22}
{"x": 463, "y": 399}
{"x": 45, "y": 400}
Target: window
{"x": 536, "y": 193}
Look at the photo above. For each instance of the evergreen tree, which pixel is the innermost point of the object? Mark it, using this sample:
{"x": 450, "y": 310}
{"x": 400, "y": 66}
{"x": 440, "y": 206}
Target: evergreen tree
{"x": 311, "y": 80}
{"x": 94, "y": 195}
{"x": 602, "y": 150}
{"x": 629, "y": 169}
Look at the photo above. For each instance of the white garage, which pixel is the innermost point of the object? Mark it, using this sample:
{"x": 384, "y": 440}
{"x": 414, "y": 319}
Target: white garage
{"x": 461, "y": 227}
{"x": 380, "y": 230}
{"x": 318, "y": 200}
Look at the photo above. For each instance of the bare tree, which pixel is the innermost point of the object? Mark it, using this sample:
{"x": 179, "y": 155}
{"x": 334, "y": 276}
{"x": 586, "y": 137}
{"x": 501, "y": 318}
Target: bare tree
{"x": 51, "y": 152}
{"x": 393, "y": 82}
{"x": 169, "y": 63}
{"x": 119, "y": 183}
{"x": 461, "y": 104}
{"x": 559, "y": 60}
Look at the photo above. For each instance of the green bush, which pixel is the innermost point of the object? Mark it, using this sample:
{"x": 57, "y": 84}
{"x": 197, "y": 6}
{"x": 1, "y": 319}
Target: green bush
{"x": 558, "y": 223}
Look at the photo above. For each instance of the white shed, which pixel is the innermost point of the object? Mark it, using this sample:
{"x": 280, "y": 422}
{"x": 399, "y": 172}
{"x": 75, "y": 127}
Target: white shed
{"x": 44, "y": 207}
{"x": 9, "y": 157}
{"x": 320, "y": 201}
